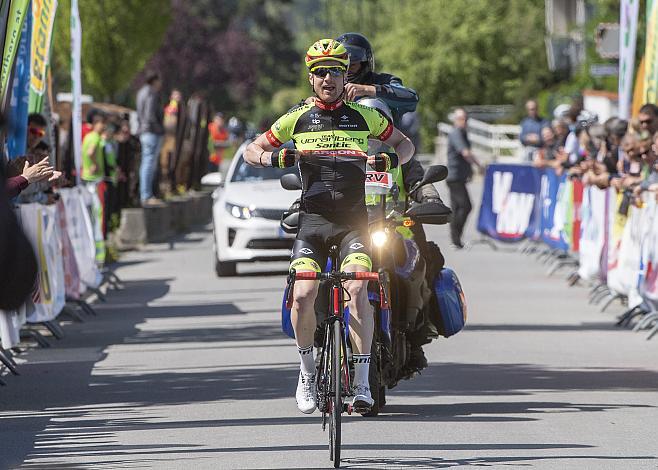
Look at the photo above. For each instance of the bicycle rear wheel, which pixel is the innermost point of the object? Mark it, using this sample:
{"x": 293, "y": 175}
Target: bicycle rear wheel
{"x": 336, "y": 398}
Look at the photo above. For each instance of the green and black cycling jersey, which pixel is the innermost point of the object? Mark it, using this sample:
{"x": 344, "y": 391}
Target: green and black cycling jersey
{"x": 336, "y": 137}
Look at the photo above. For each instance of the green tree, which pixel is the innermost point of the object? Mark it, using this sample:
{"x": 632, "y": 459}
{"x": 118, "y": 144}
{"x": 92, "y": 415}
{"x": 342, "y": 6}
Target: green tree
{"x": 118, "y": 37}
{"x": 451, "y": 53}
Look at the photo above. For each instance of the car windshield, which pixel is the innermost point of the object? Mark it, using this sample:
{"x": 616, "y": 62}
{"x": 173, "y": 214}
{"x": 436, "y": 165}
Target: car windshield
{"x": 245, "y": 172}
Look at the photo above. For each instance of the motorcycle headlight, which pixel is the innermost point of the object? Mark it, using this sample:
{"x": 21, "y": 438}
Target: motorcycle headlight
{"x": 379, "y": 238}
{"x": 239, "y": 212}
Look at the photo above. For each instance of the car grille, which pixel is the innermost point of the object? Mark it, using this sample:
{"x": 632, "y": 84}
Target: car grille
{"x": 271, "y": 243}
{"x": 271, "y": 214}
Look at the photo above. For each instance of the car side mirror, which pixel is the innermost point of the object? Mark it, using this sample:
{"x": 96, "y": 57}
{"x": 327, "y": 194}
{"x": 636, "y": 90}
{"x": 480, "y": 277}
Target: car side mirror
{"x": 214, "y": 179}
{"x": 291, "y": 182}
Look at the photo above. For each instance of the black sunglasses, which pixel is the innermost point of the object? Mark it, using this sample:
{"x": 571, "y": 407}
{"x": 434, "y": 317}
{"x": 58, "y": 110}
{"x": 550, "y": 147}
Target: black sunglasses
{"x": 646, "y": 121}
{"x": 323, "y": 71}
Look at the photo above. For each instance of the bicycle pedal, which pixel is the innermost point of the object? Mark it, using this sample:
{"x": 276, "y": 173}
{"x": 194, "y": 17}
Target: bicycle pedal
{"x": 361, "y": 408}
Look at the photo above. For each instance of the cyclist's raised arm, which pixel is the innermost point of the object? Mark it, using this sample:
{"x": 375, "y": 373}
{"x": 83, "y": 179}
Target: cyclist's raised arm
{"x": 402, "y": 145}
{"x": 259, "y": 152}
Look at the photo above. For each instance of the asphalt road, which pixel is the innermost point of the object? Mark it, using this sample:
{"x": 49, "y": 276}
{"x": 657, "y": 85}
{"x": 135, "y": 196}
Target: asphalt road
{"x": 182, "y": 370}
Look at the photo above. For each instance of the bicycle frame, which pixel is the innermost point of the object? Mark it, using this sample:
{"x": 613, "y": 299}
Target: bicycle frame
{"x": 333, "y": 377}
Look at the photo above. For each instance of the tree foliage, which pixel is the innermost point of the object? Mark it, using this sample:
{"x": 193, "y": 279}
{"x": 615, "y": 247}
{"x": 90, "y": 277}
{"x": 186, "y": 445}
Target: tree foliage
{"x": 118, "y": 37}
{"x": 237, "y": 53}
{"x": 452, "y": 53}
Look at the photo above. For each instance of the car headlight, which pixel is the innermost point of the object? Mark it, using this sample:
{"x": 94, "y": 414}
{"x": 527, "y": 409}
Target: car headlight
{"x": 379, "y": 238}
{"x": 239, "y": 212}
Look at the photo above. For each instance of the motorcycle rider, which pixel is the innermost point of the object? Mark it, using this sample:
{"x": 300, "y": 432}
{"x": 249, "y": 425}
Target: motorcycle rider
{"x": 325, "y": 134}
{"x": 365, "y": 82}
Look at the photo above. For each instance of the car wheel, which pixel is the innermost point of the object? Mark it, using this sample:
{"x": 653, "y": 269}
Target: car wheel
{"x": 225, "y": 268}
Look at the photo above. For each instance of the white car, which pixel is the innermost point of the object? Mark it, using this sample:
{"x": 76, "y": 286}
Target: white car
{"x": 247, "y": 210}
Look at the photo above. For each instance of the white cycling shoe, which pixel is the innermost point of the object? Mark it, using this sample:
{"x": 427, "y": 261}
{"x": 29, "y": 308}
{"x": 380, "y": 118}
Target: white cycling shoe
{"x": 306, "y": 393}
{"x": 362, "y": 399}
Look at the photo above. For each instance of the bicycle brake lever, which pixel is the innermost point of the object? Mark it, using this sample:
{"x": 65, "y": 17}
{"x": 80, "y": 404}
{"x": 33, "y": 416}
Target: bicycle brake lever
{"x": 383, "y": 290}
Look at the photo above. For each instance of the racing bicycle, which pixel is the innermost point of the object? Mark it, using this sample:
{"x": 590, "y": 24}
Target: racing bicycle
{"x": 333, "y": 380}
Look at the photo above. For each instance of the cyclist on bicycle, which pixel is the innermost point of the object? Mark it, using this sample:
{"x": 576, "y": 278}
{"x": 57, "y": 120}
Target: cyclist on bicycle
{"x": 331, "y": 140}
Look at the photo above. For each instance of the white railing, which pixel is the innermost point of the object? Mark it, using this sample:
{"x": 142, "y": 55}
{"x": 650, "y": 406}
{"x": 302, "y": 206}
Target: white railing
{"x": 490, "y": 142}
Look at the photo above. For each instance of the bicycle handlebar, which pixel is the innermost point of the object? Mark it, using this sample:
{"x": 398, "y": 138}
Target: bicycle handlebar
{"x": 355, "y": 276}
{"x": 381, "y": 278}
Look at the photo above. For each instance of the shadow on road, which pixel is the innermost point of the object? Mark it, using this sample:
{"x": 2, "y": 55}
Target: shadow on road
{"x": 58, "y": 408}
{"x": 523, "y": 379}
{"x": 58, "y": 382}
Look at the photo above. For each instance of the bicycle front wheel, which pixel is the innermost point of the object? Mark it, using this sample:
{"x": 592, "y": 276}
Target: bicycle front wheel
{"x": 336, "y": 397}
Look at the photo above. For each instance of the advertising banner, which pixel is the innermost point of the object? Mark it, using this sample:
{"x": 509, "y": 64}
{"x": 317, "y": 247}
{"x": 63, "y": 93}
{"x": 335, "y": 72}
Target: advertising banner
{"x": 81, "y": 234}
{"x": 40, "y": 226}
{"x": 509, "y": 210}
{"x": 552, "y": 221}
{"x": 43, "y": 21}
{"x": 71, "y": 272}
{"x": 592, "y": 234}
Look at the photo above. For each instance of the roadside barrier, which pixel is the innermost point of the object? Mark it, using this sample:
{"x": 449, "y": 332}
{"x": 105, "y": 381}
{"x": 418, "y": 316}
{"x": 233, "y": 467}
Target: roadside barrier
{"x": 63, "y": 236}
{"x": 605, "y": 242}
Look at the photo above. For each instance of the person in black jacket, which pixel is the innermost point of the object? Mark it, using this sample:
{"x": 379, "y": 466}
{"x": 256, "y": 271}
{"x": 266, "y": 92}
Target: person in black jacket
{"x": 19, "y": 265}
{"x": 364, "y": 81}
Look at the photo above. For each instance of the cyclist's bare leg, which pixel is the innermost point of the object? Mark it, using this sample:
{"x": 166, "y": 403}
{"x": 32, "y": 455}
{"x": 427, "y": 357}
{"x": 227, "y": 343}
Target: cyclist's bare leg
{"x": 303, "y": 312}
{"x": 361, "y": 331}
{"x": 303, "y": 322}
{"x": 361, "y": 314}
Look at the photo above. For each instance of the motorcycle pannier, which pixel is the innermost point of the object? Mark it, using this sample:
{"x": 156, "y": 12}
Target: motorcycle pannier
{"x": 451, "y": 302}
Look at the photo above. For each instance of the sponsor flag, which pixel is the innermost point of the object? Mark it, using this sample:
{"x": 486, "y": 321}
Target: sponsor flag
{"x": 627, "y": 41}
{"x": 43, "y": 21}
{"x": 76, "y": 77}
{"x": 17, "y": 13}
{"x": 650, "y": 94}
{"x": 19, "y": 94}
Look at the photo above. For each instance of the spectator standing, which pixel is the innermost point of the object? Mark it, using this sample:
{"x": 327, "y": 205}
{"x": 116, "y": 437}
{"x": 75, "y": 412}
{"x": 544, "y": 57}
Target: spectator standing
{"x": 648, "y": 118}
{"x": 531, "y": 127}
{"x": 19, "y": 264}
{"x": 171, "y": 112}
{"x": 219, "y": 137}
{"x": 93, "y": 160}
{"x": 36, "y": 130}
{"x": 460, "y": 171}
{"x": 110, "y": 145}
{"x": 151, "y": 132}
{"x": 128, "y": 163}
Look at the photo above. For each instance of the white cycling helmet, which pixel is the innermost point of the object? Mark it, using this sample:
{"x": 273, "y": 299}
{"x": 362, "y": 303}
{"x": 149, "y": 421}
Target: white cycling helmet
{"x": 378, "y": 104}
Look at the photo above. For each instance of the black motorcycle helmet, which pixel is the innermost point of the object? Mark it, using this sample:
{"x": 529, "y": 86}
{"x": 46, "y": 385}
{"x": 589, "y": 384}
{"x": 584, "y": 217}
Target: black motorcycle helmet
{"x": 360, "y": 50}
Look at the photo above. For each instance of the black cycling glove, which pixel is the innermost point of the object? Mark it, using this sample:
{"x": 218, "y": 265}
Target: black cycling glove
{"x": 384, "y": 161}
{"x": 285, "y": 157}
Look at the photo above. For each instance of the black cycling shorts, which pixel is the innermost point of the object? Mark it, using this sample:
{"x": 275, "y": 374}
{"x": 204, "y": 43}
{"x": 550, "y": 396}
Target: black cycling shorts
{"x": 315, "y": 237}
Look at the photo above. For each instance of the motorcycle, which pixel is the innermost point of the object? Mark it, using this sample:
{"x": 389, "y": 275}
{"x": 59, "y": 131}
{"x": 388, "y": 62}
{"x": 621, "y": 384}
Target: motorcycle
{"x": 396, "y": 253}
